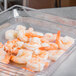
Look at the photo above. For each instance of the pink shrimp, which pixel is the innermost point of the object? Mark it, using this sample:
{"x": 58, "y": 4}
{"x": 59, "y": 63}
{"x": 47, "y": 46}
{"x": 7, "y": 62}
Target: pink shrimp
{"x": 13, "y": 46}
{"x": 4, "y": 57}
{"x": 64, "y": 42}
{"x": 52, "y": 46}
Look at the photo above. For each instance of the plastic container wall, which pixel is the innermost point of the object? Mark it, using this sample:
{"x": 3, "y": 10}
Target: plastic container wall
{"x": 18, "y": 15}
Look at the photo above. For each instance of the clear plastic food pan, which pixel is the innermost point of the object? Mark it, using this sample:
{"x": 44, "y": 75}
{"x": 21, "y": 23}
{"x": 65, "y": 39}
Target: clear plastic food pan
{"x": 19, "y": 15}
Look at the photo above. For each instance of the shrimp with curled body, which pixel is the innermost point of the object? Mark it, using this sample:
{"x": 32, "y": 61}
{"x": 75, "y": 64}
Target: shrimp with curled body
{"x": 55, "y": 54}
{"x": 64, "y": 42}
{"x": 37, "y": 64}
{"x": 48, "y": 37}
{"x": 31, "y": 33}
{"x": 42, "y": 55}
{"x": 38, "y": 61}
{"x": 22, "y": 57}
{"x": 11, "y": 34}
{"x": 21, "y": 35}
{"x": 34, "y": 43}
{"x": 13, "y": 46}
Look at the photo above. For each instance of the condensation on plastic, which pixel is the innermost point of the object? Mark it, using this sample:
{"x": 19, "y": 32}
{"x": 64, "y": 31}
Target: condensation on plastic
{"x": 18, "y": 15}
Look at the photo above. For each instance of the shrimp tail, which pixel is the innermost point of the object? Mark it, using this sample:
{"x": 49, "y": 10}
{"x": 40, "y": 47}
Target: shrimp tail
{"x": 58, "y": 39}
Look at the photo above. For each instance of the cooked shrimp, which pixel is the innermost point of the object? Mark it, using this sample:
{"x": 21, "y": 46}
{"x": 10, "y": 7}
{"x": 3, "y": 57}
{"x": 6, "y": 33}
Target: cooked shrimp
{"x": 36, "y": 64}
{"x": 1, "y": 46}
{"x": 49, "y": 37}
{"x": 30, "y": 33}
{"x": 34, "y": 49}
{"x": 21, "y": 36}
{"x": 13, "y": 46}
{"x": 64, "y": 42}
{"x": 52, "y": 46}
{"x": 43, "y": 55}
{"x": 38, "y": 61}
{"x": 32, "y": 46}
{"x": 22, "y": 57}
{"x": 10, "y": 34}
{"x": 4, "y": 57}
{"x": 55, "y": 54}
{"x": 9, "y": 45}
{"x": 20, "y": 27}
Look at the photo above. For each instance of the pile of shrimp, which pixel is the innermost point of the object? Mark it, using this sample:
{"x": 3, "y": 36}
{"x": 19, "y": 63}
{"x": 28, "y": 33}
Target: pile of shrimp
{"x": 33, "y": 49}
